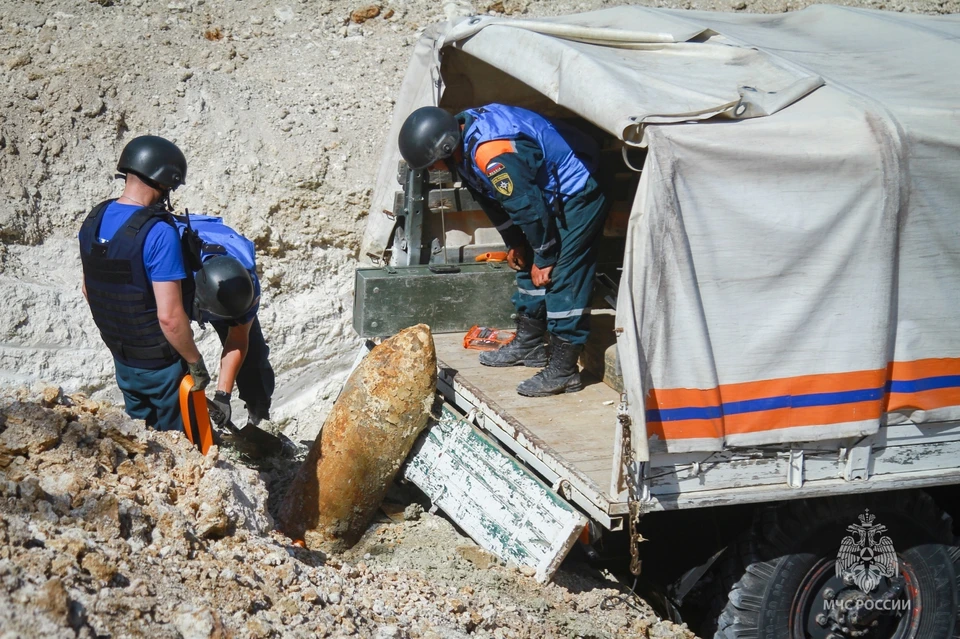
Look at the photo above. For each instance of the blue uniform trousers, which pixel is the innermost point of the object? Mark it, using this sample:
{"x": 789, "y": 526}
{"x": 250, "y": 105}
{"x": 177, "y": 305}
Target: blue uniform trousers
{"x": 255, "y": 379}
{"x": 152, "y": 395}
{"x": 565, "y": 301}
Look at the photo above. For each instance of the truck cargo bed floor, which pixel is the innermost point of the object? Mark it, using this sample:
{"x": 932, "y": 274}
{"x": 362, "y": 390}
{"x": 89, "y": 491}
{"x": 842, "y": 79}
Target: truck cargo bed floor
{"x": 570, "y": 436}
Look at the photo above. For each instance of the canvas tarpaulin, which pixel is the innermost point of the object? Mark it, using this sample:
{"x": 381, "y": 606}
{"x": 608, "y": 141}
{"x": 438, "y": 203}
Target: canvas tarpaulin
{"x": 619, "y": 68}
{"x": 793, "y": 253}
{"x": 794, "y": 278}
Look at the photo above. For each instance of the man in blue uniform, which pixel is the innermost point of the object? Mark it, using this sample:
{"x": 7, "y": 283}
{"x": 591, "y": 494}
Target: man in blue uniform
{"x": 228, "y": 297}
{"x": 534, "y": 178}
{"x": 134, "y": 280}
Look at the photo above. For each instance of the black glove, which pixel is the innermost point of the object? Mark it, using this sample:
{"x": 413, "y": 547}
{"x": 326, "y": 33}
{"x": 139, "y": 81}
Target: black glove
{"x": 198, "y": 371}
{"x": 219, "y": 408}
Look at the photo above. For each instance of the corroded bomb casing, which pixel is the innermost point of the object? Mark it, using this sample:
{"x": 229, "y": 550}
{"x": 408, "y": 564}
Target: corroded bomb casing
{"x": 383, "y": 407}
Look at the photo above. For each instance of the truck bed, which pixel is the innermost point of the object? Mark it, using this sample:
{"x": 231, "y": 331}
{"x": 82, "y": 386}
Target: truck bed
{"x": 569, "y": 439}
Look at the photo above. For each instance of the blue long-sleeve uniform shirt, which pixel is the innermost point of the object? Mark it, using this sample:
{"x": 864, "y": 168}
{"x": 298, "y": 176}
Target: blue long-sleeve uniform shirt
{"x": 519, "y": 210}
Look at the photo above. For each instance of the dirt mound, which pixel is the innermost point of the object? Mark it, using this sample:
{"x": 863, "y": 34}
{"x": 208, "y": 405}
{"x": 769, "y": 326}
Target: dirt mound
{"x": 107, "y": 528}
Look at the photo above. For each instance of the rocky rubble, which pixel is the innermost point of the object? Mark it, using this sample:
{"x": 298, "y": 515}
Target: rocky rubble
{"x": 110, "y": 529}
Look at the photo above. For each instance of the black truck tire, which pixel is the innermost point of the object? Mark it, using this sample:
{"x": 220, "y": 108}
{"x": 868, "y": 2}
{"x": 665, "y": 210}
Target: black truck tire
{"x": 782, "y": 570}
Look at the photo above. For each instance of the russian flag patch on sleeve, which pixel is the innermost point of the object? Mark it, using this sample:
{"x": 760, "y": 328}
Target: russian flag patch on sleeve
{"x": 493, "y": 168}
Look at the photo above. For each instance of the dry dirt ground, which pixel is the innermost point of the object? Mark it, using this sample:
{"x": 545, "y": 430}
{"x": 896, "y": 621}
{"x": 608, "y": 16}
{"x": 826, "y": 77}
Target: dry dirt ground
{"x": 110, "y": 529}
{"x": 281, "y": 108}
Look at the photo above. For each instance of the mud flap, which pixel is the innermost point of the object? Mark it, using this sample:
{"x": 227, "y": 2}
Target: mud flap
{"x": 196, "y": 418}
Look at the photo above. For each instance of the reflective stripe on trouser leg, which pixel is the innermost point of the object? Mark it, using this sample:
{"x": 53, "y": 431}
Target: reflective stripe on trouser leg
{"x": 568, "y": 295}
{"x": 577, "y": 312}
{"x": 529, "y": 299}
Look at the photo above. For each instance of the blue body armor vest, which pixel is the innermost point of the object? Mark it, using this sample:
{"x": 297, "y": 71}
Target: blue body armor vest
{"x": 119, "y": 291}
{"x": 569, "y": 155}
{"x": 216, "y": 238}
{"x": 220, "y": 239}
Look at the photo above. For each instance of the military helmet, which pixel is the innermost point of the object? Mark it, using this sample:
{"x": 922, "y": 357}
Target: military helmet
{"x": 154, "y": 159}
{"x": 428, "y": 134}
{"x": 224, "y": 288}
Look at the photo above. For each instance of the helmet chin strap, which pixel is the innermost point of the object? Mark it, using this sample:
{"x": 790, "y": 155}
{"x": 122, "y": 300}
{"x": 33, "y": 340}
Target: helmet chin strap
{"x": 198, "y": 313}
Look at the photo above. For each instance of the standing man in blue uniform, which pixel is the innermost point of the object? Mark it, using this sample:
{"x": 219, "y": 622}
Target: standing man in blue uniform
{"x": 534, "y": 179}
{"x": 134, "y": 280}
{"x": 228, "y": 296}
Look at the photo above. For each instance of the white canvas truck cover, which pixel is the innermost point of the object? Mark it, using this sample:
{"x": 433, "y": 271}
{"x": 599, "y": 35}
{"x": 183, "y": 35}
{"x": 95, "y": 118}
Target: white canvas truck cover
{"x": 792, "y": 270}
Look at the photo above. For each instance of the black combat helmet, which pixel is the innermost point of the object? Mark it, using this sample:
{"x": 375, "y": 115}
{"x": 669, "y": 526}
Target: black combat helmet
{"x": 224, "y": 288}
{"x": 155, "y": 159}
{"x": 429, "y": 134}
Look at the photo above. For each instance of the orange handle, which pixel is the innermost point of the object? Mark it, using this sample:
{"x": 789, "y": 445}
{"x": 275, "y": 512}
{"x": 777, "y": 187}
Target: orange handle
{"x": 195, "y": 416}
{"x": 493, "y": 256}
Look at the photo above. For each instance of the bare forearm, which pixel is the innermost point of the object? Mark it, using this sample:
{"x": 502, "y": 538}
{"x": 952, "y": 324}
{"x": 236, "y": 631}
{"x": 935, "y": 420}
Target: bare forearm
{"x": 234, "y": 352}
{"x": 230, "y": 363}
{"x": 174, "y": 321}
{"x": 178, "y": 332}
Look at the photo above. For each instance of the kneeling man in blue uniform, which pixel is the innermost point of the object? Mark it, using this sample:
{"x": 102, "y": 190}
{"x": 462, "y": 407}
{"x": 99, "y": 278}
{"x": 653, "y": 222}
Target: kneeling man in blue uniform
{"x": 227, "y": 296}
{"x": 534, "y": 178}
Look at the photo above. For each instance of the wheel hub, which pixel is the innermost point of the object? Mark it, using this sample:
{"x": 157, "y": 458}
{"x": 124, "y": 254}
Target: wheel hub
{"x": 842, "y": 616}
{"x": 830, "y": 607}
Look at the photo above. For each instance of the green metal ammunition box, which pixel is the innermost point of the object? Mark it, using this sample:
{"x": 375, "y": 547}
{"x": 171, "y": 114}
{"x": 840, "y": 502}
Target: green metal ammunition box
{"x": 447, "y": 298}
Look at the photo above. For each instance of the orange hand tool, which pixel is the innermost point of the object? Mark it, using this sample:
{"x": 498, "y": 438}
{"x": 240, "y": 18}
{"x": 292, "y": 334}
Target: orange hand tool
{"x": 492, "y": 256}
{"x": 196, "y": 417}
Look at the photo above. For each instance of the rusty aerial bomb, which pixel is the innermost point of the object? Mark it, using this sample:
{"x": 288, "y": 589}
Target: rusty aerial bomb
{"x": 383, "y": 408}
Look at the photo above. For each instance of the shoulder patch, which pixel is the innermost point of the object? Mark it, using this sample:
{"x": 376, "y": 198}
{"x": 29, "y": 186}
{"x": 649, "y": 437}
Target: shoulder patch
{"x": 503, "y": 183}
{"x": 493, "y": 168}
{"x": 486, "y": 152}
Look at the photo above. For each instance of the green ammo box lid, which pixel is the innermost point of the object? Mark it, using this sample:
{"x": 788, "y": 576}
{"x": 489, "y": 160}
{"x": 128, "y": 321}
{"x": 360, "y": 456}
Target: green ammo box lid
{"x": 448, "y": 298}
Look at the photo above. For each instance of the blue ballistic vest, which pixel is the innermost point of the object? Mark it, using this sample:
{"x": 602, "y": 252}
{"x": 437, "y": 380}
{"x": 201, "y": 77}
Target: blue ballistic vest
{"x": 119, "y": 291}
{"x": 216, "y": 239}
{"x": 569, "y": 155}
{"x": 220, "y": 239}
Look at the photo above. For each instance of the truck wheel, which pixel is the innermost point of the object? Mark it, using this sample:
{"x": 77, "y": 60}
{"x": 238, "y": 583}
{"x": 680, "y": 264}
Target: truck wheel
{"x": 805, "y": 568}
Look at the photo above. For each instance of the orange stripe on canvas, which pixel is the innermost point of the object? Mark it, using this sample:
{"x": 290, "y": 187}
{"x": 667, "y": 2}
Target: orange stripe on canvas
{"x": 687, "y": 429}
{"x": 807, "y": 400}
{"x": 924, "y": 400}
{"x": 921, "y": 368}
{"x": 808, "y": 416}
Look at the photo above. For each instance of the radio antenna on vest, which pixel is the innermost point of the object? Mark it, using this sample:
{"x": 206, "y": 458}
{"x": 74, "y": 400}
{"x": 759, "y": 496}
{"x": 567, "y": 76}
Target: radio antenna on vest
{"x": 194, "y": 245}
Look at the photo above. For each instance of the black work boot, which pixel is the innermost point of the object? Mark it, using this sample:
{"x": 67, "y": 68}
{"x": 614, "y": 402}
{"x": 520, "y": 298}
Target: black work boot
{"x": 561, "y": 374}
{"x": 526, "y": 349}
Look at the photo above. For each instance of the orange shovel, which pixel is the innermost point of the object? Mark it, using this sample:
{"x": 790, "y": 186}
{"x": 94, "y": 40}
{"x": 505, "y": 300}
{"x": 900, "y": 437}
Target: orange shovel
{"x": 196, "y": 417}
